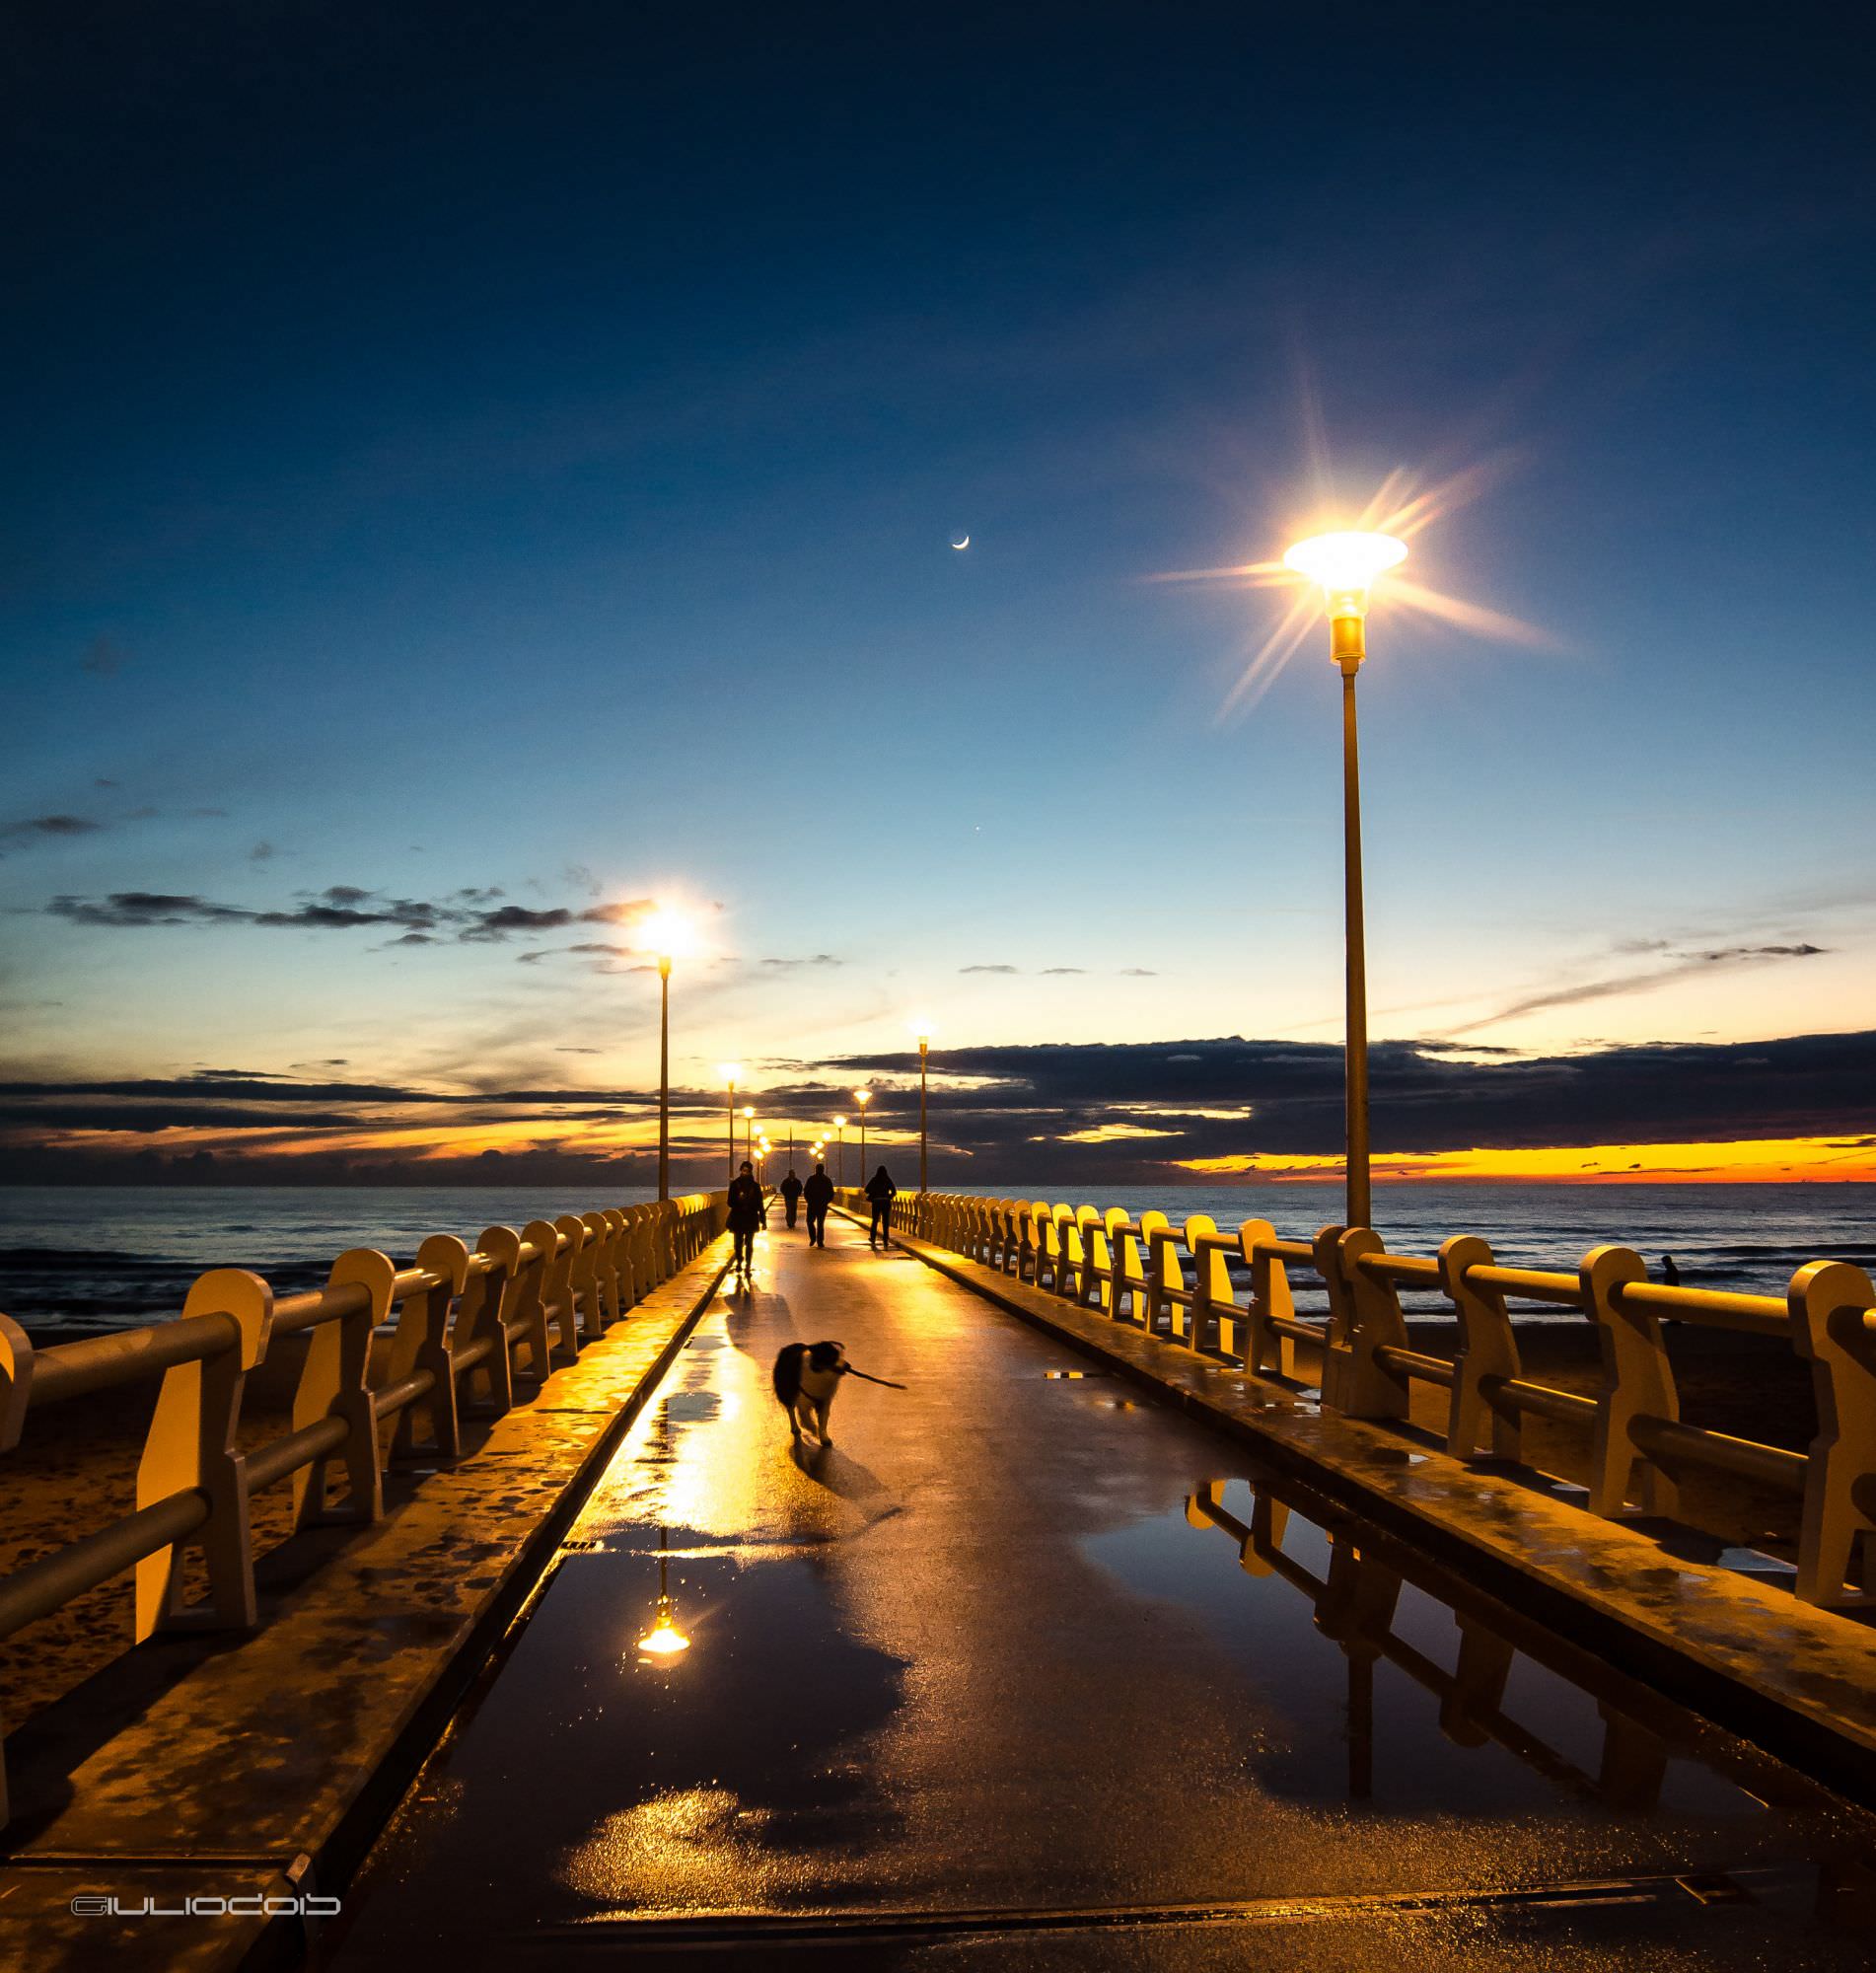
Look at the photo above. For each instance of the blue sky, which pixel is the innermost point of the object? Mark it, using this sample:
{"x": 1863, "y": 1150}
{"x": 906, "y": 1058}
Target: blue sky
{"x": 460, "y": 450}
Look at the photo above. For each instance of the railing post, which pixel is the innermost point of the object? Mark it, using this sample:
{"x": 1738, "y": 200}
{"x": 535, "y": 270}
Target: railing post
{"x": 16, "y": 1381}
{"x": 1156, "y": 1234}
{"x": 422, "y": 1343}
{"x": 583, "y": 1295}
{"x": 1370, "y": 1389}
{"x": 603, "y": 1239}
{"x": 1212, "y": 1289}
{"x": 1129, "y": 1277}
{"x": 1068, "y": 1229}
{"x": 557, "y": 1287}
{"x": 1831, "y": 1327}
{"x": 1488, "y": 1354}
{"x": 1097, "y": 1281}
{"x": 526, "y": 1307}
{"x": 484, "y": 1309}
{"x": 334, "y": 1383}
{"x": 191, "y": 1445}
{"x": 1637, "y": 1382}
{"x": 1338, "y": 1339}
{"x": 1265, "y": 1349}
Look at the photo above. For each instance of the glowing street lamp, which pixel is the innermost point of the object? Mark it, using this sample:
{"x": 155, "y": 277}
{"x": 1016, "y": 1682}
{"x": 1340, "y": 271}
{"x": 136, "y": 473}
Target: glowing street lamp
{"x": 731, "y": 1071}
{"x": 749, "y": 1133}
{"x": 1346, "y": 566}
{"x": 666, "y": 933}
{"x": 922, "y": 1029}
{"x": 840, "y": 1149}
{"x": 863, "y": 1097}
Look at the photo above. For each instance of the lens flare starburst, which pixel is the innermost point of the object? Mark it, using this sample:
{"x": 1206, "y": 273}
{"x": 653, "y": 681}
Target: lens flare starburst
{"x": 1400, "y": 508}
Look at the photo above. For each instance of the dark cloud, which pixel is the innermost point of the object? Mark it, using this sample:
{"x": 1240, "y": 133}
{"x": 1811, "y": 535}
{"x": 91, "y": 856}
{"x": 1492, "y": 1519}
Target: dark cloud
{"x": 1286, "y": 1097}
{"x": 262, "y": 852}
{"x": 1138, "y": 973}
{"x": 988, "y": 969}
{"x": 46, "y": 829}
{"x": 132, "y": 908}
{"x": 1052, "y": 972}
{"x": 818, "y": 959}
{"x": 1679, "y": 966}
{"x": 468, "y": 914}
{"x": 505, "y": 918}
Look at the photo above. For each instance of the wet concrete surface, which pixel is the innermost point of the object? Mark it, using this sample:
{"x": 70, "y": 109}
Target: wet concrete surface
{"x": 1028, "y": 1670}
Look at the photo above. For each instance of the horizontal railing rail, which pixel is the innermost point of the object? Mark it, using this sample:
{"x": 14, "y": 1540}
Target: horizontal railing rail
{"x": 457, "y": 1330}
{"x": 1134, "y": 1269}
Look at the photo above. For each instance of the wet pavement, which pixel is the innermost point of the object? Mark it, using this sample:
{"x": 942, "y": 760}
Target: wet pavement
{"x": 1028, "y": 1670}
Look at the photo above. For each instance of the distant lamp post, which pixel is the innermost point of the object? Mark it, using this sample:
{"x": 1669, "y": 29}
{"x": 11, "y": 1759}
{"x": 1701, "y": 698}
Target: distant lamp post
{"x": 922, "y": 1029}
{"x": 862, "y": 1097}
{"x": 1346, "y": 566}
{"x": 666, "y": 933}
{"x": 749, "y": 1133}
{"x": 840, "y": 1149}
{"x": 731, "y": 1071}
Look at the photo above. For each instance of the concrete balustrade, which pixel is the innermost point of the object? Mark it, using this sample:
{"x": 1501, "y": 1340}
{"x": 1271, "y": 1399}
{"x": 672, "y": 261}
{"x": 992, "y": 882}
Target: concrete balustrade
{"x": 1135, "y": 1271}
{"x": 463, "y": 1327}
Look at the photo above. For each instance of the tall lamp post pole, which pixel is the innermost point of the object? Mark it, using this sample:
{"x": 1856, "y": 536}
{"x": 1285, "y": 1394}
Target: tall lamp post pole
{"x": 1347, "y": 565}
{"x": 863, "y": 1097}
{"x": 748, "y": 1133}
{"x": 730, "y": 1071}
{"x": 922, "y": 1029}
{"x": 841, "y": 1150}
{"x": 664, "y": 1076}
{"x": 666, "y": 933}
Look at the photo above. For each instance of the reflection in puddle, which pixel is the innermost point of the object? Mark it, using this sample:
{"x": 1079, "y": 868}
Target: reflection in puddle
{"x": 664, "y": 1640}
{"x": 1517, "y": 1716}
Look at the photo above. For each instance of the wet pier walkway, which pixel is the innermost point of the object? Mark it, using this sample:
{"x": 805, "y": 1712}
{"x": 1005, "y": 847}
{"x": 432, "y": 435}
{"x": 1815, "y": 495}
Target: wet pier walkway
{"x": 1030, "y": 1671}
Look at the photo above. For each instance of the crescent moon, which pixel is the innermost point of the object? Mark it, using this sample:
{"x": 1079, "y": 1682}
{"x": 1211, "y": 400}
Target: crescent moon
{"x": 964, "y": 543}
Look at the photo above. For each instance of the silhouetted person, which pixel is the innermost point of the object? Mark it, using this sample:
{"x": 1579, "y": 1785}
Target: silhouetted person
{"x": 881, "y": 1190}
{"x": 1670, "y": 1273}
{"x": 819, "y": 1193}
{"x": 791, "y": 1196}
{"x": 746, "y": 1214}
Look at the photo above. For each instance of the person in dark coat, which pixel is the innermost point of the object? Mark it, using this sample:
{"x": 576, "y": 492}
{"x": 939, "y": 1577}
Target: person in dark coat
{"x": 746, "y": 1214}
{"x": 791, "y": 1196}
{"x": 881, "y": 1190}
{"x": 819, "y": 1193}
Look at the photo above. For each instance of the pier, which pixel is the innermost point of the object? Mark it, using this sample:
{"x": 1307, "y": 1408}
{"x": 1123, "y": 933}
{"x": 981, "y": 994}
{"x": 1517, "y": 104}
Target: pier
{"x": 1153, "y": 1623}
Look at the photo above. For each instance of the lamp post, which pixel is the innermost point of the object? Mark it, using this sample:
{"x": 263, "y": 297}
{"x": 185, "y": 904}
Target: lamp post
{"x": 863, "y": 1097}
{"x": 666, "y": 932}
{"x": 1347, "y": 565}
{"x": 749, "y": 1133}
{"x": 730, "y": 1071}
{"x": 841, "y": 1150}
{"x": 922, "y": 1029}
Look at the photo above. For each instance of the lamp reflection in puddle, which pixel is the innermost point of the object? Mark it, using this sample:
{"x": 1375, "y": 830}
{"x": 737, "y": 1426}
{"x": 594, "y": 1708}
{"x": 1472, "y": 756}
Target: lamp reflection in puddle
{"x": 664, "y": 1640}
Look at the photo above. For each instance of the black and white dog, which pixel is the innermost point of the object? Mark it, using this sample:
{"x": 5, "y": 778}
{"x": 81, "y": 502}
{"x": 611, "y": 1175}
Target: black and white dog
{"x": 807, "y": 1376}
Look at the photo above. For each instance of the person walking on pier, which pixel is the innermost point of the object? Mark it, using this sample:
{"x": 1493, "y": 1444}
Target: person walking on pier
{"x": 746, "y": 1214}
{"x": 881, "y": 1190}
{"x": 819, "y": 1193}
{"x": 791, "y": 1196}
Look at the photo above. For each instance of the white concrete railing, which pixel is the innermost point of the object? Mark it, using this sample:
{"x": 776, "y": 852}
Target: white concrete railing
{"x": 1135, "y": 1270}
{"x": 467, "y": 1325}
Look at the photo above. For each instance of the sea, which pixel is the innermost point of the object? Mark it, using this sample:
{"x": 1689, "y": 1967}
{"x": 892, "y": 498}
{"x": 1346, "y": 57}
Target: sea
{"x": 86, "y": 1258}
